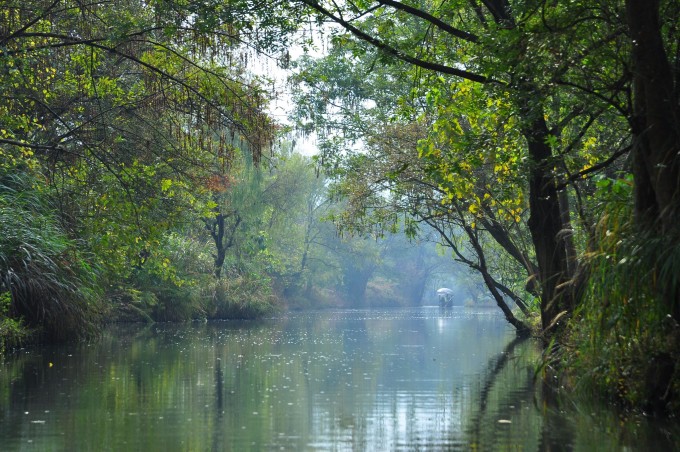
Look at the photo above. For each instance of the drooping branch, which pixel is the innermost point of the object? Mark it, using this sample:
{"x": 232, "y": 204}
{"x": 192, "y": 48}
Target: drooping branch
{"x": 518, "y": 301}
{"x": 481, "y": 268}
{"x": 491, "y": 284}
{"x": 101, "y": 44}
{"x": 393, "y": 51}
{"x": 501, "y": 236}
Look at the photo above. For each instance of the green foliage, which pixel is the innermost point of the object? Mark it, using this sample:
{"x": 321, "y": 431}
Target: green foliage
{"x": 150, "y": 106}
{"x": 625, "y": 332}
{"x": 52, "y": 286}
{"x": 12, "y": 331}
{"x": 445, "y": 154}
{"x": 172, "y": 284}
{"x": 128, "y": 304}
{"x": 242, "y": 296}
{"x": 174, "y": 303}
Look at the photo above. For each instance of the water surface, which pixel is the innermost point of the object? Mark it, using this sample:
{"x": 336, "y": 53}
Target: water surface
{"x": 404, "y": 379}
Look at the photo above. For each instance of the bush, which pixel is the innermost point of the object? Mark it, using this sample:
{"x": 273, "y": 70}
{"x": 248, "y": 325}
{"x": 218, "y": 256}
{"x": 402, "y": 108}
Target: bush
{"x": 12, "y": 331}
{"x": 173, "y": 284}
{"x": 131, "y": 305}
{"x": 52, "y": 287}
{"x": 161, "y": 298}
{"x": 177, "y": 303}
{"x": 247, "y": 296}
{"x": 626, "y": 337}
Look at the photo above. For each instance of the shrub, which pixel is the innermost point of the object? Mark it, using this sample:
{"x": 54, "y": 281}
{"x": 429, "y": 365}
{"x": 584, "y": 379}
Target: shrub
{"x": 245, "y": 296}
{"x": 52, "y": 287}
{"x": 172, "y": 285}
{"x": 627, "y": 341}
{"x": 12, "y": 331}
{"x": 165, "y": 299}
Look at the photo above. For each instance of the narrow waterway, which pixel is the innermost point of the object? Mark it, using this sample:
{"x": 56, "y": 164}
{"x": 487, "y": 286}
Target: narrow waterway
{"x": 406, "y": 379}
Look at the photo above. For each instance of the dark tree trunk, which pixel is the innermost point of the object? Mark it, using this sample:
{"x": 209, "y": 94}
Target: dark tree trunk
{"x": 656, "y": 136}
{"x": 567, "y": 233}
{"x": 655, "y": 122}
{"x": 219, "y": 231}
{"x": 546, "y": 220}
{"x": 216, "y": 229}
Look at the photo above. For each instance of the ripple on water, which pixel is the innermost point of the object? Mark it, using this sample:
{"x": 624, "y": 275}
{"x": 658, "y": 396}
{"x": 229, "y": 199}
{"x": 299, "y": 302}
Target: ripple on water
{"x": 396, "y": 379}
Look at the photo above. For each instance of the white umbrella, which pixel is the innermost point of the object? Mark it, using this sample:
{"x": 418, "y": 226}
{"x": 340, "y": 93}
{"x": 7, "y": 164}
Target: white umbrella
{"x": 445, "y": 296}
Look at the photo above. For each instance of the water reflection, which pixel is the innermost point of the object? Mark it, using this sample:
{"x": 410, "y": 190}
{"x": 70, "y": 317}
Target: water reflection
{"x": 406, "y": 379}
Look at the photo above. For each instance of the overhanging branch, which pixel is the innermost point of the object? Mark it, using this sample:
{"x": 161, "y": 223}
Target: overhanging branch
{"x": 397, "y": 53}
{"x": 431, "y": 19}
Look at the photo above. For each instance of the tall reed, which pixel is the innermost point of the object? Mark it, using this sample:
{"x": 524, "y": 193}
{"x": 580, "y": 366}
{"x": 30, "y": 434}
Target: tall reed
{"x": 626, "y": 332}
{"x": 52, "y": 287}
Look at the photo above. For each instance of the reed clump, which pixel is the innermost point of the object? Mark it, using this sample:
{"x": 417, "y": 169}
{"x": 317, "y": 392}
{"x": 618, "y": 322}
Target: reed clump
{"x": 49, "y": 287}
{"x": 626, "y": 335}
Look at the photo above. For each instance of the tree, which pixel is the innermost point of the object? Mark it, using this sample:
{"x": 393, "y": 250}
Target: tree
{"x": 539, "y": 97}
{"x": 655, "y": 125}
{"x": 386, "y": 180}
{"x": 138, "y": 102}
{"x": 535, "y": 58}
{"x": 125, "y": 110}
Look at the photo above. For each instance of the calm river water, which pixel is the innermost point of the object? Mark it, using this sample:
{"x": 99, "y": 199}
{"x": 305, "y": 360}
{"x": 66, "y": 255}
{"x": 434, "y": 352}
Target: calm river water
{"x": 406, "y": 379}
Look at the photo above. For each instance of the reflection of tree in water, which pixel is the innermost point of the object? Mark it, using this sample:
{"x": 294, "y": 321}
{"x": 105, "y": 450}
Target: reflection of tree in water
{"x": 550, "y": 421}
{"x": 218, "y": 442}
{"x": 364, "y": 378}
{"x": 496, "y": 365}
{"x": 485, "y": 430}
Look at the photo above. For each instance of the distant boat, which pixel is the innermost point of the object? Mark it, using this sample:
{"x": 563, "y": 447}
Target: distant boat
{"x": 445, "y": 297}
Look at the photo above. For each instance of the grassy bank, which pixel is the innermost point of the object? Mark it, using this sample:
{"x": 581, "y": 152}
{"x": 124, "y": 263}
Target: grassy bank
{"x": 623, "y": 343}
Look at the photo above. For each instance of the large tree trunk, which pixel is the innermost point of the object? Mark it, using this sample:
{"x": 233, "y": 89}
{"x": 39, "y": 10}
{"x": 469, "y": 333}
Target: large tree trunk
{"x": 656, "y": 122}
{"x": 656, "y": 135}
{"x": 546, "y": 219}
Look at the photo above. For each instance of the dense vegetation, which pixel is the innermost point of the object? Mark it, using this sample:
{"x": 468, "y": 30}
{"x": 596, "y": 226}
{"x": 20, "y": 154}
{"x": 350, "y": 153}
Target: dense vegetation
{"x": 537, "y": 142}
{"x": 541, "y": 140}
{"x": 142, "y": 179}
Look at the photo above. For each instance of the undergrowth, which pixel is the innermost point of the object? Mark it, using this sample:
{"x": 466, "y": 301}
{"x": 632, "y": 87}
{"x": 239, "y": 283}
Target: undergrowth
{"x": 51, "y": 287}
{"x": 625, "y": 334}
